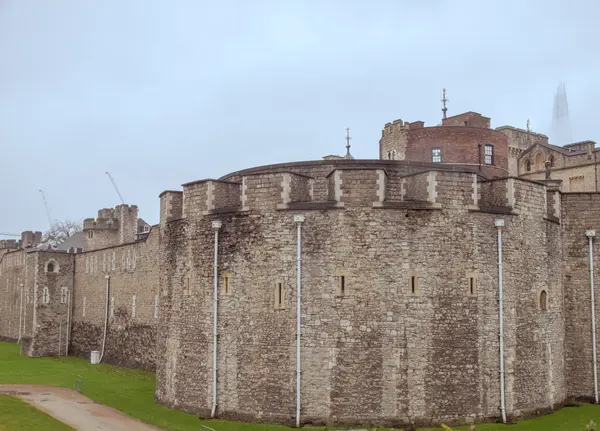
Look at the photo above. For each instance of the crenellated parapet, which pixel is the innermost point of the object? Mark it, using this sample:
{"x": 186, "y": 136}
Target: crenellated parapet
{"x": 358, "y": 186}
{"x": 113, "y": 226}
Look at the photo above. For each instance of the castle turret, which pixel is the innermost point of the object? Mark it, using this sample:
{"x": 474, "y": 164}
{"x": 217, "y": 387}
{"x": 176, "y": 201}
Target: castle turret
{"x": 113, "y": 226}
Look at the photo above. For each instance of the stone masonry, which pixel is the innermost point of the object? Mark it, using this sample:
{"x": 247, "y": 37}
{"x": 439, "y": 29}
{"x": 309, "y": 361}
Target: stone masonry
{"x": 400, "y": 287}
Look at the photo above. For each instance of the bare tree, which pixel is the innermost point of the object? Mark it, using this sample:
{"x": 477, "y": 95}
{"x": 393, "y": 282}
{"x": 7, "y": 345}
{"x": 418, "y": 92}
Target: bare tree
{"x": 60, "y": 231}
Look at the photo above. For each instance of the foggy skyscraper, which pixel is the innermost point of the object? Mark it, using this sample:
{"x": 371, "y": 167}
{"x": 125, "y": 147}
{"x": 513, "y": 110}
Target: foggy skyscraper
{"x": 561, "y": 129}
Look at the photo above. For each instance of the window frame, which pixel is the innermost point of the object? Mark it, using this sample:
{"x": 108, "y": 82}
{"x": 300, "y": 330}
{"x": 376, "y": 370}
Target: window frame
{"x": 488, "y": 158}
{"x": 436, "y": 155}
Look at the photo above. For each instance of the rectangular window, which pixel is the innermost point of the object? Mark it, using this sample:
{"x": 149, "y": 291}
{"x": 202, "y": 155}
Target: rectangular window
{"x": 342, "y": 283}
{"x": 156, "y": 306}
{"x": 413, "y": 283}
{"x": 471, "y": 283}
{"x": 489, "y": 154}
{"x": 90, "y": 234}
{"x": 46, "y": 295}
{"x": 133, "y": 307}
{"x": 279, "y": 296}
{"x": 436, "y": 155}
{"x": 64, "y": 294}
{"x": 186, "y": 286}
{"x": 83, "y": 307}
{"x": 226, "y": 284}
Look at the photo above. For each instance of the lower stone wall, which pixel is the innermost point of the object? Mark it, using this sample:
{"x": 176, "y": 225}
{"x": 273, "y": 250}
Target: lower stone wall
{"x": 131, "y": 346}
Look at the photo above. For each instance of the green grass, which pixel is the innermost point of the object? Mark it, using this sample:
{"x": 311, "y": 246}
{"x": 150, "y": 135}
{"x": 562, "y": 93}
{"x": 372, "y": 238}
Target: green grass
{"x": 18, "y": 415}
{"x": 132, "y": 392}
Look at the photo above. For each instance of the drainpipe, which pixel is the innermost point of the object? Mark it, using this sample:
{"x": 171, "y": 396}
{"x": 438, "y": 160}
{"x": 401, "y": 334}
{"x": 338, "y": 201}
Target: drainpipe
{"x": 105, "y": 316}
{"x": 21, "y": 316}
{"x": 479, "y": 155}
{"x": 216, "y": 225}
{"x": 499, "y": 223}
{"x": 298, "y": 219}
{"x": 591, "y": 234}
{"x": 68, "y": 322}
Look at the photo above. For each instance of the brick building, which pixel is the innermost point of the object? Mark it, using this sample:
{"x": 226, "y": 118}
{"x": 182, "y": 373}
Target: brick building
{"x": 397, "y": 260}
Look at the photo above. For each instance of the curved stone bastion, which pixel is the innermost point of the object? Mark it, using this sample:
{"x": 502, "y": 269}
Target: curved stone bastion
{"x": 399, "y": 305}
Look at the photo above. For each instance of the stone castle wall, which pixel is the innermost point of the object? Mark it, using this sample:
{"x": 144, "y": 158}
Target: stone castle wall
{"x": 133, "y": 303}
{"x": 406, "y": 341}
{"x": 580, "y": 213}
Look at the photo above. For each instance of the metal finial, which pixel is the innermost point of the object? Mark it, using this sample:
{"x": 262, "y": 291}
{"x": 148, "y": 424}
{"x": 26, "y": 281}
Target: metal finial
{"x": 444, "y": 100}
{"x": 348, "y": 155}
{"x": 528, "y": 129}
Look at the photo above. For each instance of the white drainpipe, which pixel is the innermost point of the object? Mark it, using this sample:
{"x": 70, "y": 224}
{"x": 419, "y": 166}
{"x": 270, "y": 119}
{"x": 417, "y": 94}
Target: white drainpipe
{"x": 21, "y": 315}
{"x": 216, "y": 225}
{"x": 591, "y": 234}
{"x": 298, "y": 219}
{"x": 105, "y": 316}
{"x": 68, "y": 321}
{"x": 499, "y": 223}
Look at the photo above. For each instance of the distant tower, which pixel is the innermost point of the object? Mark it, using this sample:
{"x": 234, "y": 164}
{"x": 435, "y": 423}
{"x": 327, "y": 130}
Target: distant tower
{"x": 561, "y": 128}
{"x": 444, "y": 100}
{"x": 348, "y": 155}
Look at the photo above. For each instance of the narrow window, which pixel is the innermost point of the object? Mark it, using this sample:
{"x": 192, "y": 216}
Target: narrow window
{"x": 186, "y": 286}
{"x": 471, "y": 286}
{"x": 551, "y": 161}
{"x": 279, "y": 296}
{"x": 64, "y": 294}
{"x": 114, "y": 261}
{"x": 90, "y": 234}
{"x": 84, "y": 306}
{"x": 436, "y": 155}
{"x": 489, "y": 154}
{"x": 156, "y": 306}
{"x": 226, "y": 284}
{"x": 543, "y": 301}
{"x": 528, "y": 165}
{"x": 413, "y": 284}
{"x": 133, "y": 307}
{"x": 46, "y": 295}
{"x": 342, "y": 285}
{"x": 50, "y": 267}
{"x": 112, "y": 306}
{"x": 466, "y": 124}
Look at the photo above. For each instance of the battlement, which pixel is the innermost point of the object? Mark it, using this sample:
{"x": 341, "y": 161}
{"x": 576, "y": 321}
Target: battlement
{"x": 399, "y": 125}
{"x": 113, "y": 226}
{"x": 8, "y": 244}
{"x": 359, "y": 186}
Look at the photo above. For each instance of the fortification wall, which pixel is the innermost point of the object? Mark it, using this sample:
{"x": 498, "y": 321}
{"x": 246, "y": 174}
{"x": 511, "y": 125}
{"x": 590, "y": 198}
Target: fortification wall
{"x": 12, "y": 275}
{"x": 411, "y": 337}
{"x": 50, "y": 291}
{"x": 133, "y": 296}
{"x": 580, "y": 213}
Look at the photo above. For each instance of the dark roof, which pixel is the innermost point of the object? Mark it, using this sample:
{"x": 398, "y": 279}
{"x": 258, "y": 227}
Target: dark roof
{"x": 76, "y": 241}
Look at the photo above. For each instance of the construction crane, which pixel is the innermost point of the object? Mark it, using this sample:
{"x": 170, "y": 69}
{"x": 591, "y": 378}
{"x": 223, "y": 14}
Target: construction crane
{"x": 115, "y": 186}
{"x": 48, "y": 214}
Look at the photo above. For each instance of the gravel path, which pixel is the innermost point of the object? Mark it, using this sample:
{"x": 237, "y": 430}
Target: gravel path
{"x": 75, "y": 410}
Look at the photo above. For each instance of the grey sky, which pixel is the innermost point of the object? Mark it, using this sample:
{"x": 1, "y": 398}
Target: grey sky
{"x": 164, "y": 92}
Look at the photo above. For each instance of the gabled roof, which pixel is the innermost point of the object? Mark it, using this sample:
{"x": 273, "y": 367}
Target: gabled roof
{"x": 561, "y": 150}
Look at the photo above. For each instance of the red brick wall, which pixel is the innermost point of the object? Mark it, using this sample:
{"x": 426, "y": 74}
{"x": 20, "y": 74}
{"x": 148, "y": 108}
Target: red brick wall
{"x": 459, "y": 145}
{"x": 472, "y": 119}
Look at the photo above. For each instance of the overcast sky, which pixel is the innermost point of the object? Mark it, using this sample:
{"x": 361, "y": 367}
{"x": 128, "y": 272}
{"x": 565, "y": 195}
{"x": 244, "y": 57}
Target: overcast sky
{"x": 164, "y": 92}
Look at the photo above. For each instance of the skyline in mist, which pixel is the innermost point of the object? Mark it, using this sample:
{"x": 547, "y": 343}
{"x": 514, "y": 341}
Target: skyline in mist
{"x": 160, "y": 93}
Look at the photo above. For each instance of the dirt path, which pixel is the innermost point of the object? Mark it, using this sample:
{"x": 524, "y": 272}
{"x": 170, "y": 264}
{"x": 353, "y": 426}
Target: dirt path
{"x": 75, "y": 410}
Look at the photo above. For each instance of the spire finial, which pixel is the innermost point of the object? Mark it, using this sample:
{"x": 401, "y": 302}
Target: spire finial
{"x": 348, "y": 155}
{"x": 444, "y": 100}
{"x": 528, "y": 123}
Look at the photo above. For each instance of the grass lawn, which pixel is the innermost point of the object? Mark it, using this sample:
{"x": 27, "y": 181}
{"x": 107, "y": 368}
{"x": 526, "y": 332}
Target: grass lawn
{"x": 18, "y": 415}
{"x": 132, "y": 392}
